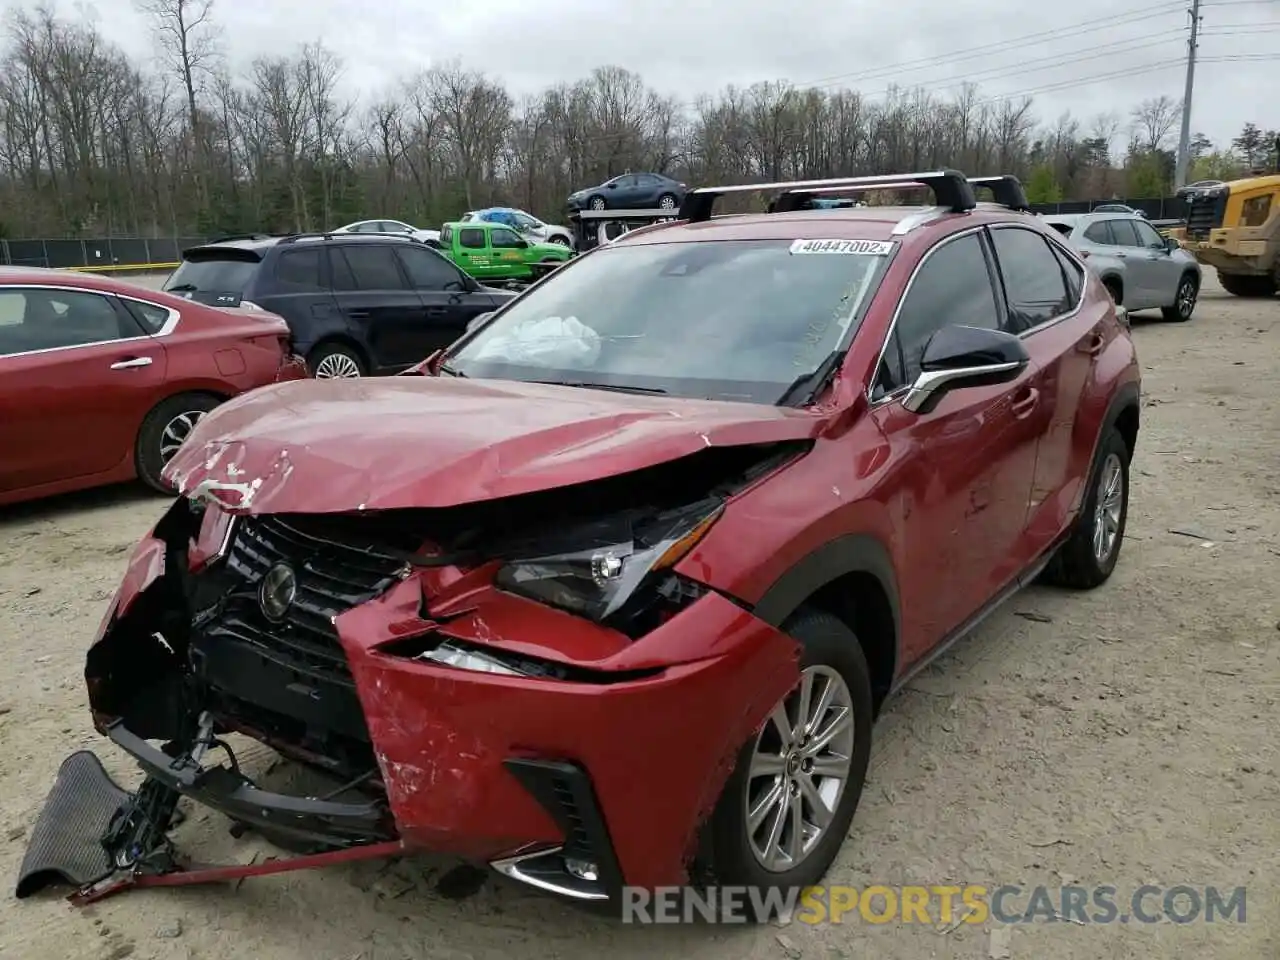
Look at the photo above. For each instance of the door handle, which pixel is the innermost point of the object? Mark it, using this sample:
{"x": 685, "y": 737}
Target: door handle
{"x": 1024, "y": 404}
{"x": 436, "y": 311}
{"x": 131, "y": 363}
{"x": 1093, "y": 346}
{"x": 359, "y": 314}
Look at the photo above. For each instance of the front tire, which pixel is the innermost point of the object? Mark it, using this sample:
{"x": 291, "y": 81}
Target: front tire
{"x": 786, "y": 807}
{"x": 1184, "y": 303}
{"x": 163, "y": 432}
{"x": 1089, "y": 556}
{"x": 597, "y": 203}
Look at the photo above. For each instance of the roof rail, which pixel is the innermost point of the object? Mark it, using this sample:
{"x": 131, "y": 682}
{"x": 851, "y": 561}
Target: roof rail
{"x": 240, "y": 236}
{"x": 1006, "y": 189}
{"x": 950, "y": 189}
{"x": 295, "y": 237}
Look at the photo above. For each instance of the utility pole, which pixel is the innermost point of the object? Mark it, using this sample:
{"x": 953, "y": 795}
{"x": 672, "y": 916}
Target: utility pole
{"x": 1184, "y": 141}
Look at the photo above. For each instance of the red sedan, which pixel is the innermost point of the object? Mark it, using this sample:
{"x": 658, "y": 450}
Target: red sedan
{"x": 102, "y": 380}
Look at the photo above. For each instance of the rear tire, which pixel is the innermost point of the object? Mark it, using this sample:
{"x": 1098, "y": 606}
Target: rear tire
{"x": 1184, "y": 303}
{"x": 735, "y": 854}
{"x": 1082, "y": 563}
{"x": 668, "y": 201}
{"x": 163, "y": 431}
{"x": 1247, "y": 285}
{"x": 557, "y": 239}
{"x": 335, "y": 361}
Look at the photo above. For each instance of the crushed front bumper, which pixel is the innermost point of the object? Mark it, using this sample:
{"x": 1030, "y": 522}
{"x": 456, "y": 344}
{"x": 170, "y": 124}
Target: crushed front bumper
{"x": 577, "y": 786}
{"x": 491, "y": 767}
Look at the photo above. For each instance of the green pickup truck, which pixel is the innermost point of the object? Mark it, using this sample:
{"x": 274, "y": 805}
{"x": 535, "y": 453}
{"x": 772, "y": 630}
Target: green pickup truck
{"x": 493, "y": 251}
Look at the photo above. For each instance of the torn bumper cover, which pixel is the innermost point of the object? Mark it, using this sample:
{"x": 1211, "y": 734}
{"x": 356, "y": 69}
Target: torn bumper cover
{"x": 582, "y": 774}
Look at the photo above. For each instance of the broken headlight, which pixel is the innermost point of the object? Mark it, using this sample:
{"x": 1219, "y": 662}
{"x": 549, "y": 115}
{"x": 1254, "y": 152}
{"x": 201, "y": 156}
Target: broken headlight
{"x": 607, "y": 563}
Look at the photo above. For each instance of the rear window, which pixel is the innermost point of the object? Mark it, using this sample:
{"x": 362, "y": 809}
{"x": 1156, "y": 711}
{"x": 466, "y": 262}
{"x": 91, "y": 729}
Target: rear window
{"x": 1063, "y": 228}
{"x": 213, "y": 275}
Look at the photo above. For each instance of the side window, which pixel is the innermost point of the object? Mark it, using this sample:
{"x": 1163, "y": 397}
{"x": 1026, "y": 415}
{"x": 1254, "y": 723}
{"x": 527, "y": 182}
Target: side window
{"x": 952, "y": 287}
{"x": 151, "y": 317}
{"x": 472, "y": 239}
{"x": 1033, "y": 285}
{"x": 1147, "y": 235}
{"x": 1098, "y": 233}
{"x": 426, "y": 270}
{"x": 46, "y": 319}
{"x": 373, "y": 266}
{"x": 505, "y": 238}
{"x": 1072, "y": 272}
{"x": 1124, "y": 234}
{"x": 446, "y": 235}
{"x": 300, "y": 269}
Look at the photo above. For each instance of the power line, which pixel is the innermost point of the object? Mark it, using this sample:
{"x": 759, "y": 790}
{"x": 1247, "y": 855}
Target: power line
{"x": 1135, "y": 71}
{"x": 1037, "y": 66}
{"x": 1000, "y": 46}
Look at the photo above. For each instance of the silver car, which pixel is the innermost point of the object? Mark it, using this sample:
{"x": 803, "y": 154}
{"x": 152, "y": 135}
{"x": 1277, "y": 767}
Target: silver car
{"x": 1143, "y": 270}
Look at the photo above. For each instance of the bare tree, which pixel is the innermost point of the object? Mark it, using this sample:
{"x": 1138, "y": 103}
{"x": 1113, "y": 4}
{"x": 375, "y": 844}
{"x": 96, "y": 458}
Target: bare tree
{"x": 188, "y": 41}
{"x": 1153, "y": 120}
{"x": 90, "y": 143}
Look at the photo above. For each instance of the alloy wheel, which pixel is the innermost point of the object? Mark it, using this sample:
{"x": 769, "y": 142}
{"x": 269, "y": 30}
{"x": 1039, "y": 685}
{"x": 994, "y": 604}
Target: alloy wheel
{"x": 597, "y": 203}
{"x": 1108, "y": 509}
{"x": 1186, "y": 299}
{"x": 176, "y": 431}
{"x": 799, "y": 767}
{"x": 667, "y": 203}
{"x": 337, "y": 366}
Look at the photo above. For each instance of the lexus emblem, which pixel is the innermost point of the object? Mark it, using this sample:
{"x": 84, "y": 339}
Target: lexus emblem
{"x": 276, "y": 592}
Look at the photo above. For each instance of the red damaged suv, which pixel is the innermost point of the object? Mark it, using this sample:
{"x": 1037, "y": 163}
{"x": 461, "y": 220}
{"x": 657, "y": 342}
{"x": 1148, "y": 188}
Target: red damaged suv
{"x": 612, "y": 592}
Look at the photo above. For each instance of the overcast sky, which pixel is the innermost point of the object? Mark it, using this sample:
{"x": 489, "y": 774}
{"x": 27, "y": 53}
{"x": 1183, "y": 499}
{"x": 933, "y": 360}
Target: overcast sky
{"x": 1089, "y": 56}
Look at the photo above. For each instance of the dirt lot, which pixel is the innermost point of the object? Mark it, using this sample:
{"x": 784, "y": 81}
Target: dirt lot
{"x": 1122, "y": 737}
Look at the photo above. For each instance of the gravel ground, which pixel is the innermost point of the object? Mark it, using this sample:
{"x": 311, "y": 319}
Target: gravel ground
{"x": 1120, "y": 737}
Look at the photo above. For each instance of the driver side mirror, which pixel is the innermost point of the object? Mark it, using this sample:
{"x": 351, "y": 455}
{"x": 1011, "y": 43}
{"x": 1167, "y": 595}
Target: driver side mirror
{"x": 1171, "y": 244}
{"x": 478, "y": 320}
{"x": 957, "y": 357}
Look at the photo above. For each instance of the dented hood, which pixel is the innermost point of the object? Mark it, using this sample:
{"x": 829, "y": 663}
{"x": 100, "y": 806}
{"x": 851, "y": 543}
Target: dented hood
{"x": 322, "y": 446}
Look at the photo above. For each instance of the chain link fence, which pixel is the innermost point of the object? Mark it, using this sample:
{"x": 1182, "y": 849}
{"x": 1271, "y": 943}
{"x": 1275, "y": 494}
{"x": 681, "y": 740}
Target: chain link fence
{"x": 97, "y": 254}
{"x": 1156, "y": 208}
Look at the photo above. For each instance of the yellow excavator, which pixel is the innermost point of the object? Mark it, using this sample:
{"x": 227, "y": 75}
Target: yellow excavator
{"x": 1234, "y": 226}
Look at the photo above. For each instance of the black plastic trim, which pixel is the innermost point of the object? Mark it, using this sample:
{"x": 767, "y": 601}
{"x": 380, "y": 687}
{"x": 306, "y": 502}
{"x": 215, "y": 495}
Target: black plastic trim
{"x": 221, "y": 789}
{"x": 565, "y": 791}
{"x": 856, "y": 553}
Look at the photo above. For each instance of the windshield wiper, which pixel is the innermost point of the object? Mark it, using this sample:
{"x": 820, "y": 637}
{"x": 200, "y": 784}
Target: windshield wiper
{"x": 180, "y": 287}
{"x": 802, "y": 389}
{"x": 586, "y": 385}
{"x": 451, "y": 371}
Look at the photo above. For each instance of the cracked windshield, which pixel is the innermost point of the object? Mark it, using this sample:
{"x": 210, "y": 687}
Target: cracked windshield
{"x": 738, "y": 320}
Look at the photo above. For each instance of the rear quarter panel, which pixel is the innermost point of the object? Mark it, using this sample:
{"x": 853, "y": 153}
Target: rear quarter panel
{"x": 225, "y": 351}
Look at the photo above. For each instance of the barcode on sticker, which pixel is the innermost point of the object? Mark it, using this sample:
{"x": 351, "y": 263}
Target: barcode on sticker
{"x": 857, "y": 248}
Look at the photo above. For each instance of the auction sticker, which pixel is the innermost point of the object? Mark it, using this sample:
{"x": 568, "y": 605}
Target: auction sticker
{"x": 855, "y": 248}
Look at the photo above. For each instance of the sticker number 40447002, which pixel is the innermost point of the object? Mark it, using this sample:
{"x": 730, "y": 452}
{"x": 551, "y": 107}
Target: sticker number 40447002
{"x": 863, "y": 248}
